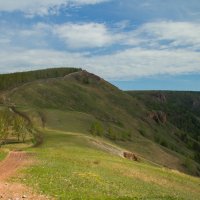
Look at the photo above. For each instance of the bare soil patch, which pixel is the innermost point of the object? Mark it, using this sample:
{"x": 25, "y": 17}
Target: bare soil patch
{"x": 8, "y": 168}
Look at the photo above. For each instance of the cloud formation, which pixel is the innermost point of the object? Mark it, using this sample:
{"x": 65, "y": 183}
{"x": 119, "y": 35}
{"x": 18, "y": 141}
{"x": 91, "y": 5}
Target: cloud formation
{"x": 42, "y": 7}
{"x": 170, "y": 34}
{"x": 85, "y": 35}
{"x": 125, "y": 64}
{"x": 154, "y": 35}
{"x": 163, "y": 47}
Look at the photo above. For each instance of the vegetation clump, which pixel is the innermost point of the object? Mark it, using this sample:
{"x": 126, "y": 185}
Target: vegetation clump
{"x": 13, "y": 128}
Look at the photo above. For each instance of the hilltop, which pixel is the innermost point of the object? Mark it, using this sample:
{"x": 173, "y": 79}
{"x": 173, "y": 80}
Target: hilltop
{"x": 80, "y": 118}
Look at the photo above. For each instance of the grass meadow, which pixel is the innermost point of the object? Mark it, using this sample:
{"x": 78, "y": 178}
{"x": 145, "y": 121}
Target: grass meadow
{"x": 69, "y": 166}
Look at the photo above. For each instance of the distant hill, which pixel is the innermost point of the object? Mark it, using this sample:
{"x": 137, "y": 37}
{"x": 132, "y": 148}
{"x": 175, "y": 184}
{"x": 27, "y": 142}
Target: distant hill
{"x": 182, "y": 110}
{"x": 161, "y": 128}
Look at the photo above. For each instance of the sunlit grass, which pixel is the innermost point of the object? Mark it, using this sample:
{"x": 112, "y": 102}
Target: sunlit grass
{"x": 3, "y": 154}
{"x": 70, "y": 167}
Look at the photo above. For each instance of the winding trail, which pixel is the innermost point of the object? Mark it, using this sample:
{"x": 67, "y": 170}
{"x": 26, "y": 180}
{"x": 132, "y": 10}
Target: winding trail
{"x": 8, "y": 168}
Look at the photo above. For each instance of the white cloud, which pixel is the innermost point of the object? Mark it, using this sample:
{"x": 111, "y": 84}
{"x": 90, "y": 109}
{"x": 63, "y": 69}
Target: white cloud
{"x": 125, "y": 64}
{"x": 73, "y": 35}
{"x": 41, "y": 7}
{"x": 167, "y": 35}
{"x": 85, "y": 35}
{"x": 29, "y": 37}
{"x": 147, "y": 54}
{"x": 157, "y": 35}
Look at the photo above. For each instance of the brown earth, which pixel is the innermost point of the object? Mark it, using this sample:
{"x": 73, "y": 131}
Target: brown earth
{"x": 15, "y": 191}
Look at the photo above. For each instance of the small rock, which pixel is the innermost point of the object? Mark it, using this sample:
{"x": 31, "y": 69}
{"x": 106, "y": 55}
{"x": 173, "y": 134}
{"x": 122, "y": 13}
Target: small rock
{"x": 130, "y": 156}
{"x": 24, "y": 196}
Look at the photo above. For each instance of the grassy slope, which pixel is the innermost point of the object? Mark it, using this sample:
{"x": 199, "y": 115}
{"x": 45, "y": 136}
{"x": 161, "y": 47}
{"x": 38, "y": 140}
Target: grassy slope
{"x": 183, "y": 112}
{"x": 71, "y": 167}
{"x": 96, "y": 100}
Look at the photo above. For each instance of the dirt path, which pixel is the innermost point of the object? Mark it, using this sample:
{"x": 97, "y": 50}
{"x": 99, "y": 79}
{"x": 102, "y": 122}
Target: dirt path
{"x": 8, "y": 168}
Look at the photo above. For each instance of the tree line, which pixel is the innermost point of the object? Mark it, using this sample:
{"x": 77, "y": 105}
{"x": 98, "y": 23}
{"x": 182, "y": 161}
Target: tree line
{"x": 8, "y": 81}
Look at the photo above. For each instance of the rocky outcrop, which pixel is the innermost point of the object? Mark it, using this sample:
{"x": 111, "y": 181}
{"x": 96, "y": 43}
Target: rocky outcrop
{"x": 84, "y": 77}
{"x": 130, "y": 156}
{"x": 196, "y": 103}
{"x": 158, "y": 116}
{"x": 160, "y": 97}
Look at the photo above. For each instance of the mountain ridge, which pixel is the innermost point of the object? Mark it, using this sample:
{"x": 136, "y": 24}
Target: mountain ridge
{"x": 122, "y": 117}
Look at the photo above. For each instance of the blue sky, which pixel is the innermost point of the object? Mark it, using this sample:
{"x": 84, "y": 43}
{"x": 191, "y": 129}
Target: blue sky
{"x": 135, "y": 44}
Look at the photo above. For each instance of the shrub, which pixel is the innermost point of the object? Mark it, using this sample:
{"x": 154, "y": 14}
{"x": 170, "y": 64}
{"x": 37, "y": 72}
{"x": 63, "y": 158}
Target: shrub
{"x": 112, "y": 134}
{"x": 142, "y": 132}
{"x": 97, "y": 129}
{"x": 189, "y": 165}
{"x": 164, "y": 143}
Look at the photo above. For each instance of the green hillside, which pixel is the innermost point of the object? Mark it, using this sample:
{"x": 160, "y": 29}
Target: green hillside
{"x": 80, "y": 126}
{"x": 182, "y": 110}
{"x": 73, "y": 166}
{"x": 8, "y": 81}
